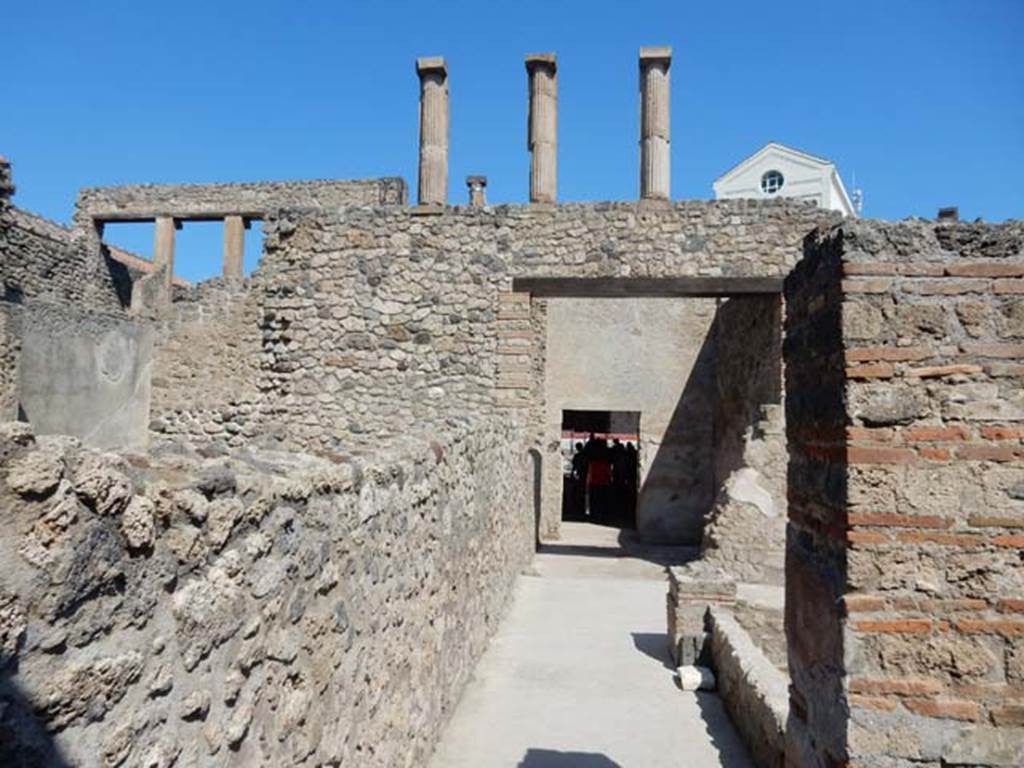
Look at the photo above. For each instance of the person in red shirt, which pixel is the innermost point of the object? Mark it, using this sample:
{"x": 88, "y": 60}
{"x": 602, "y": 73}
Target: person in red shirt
{"x": 599, "y": 478}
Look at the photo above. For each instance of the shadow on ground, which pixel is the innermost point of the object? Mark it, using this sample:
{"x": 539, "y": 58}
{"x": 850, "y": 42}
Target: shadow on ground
{"x": 550, "y": 758}
{"x": 655, "y": 645}
{"x": 731, "y": 752}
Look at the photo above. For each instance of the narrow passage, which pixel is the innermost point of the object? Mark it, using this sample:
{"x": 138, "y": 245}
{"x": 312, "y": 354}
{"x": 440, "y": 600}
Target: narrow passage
{"x": 578, "y": 674}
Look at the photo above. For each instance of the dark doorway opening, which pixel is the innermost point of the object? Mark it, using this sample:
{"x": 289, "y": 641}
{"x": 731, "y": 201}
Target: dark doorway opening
{"x": 600, "y": 467}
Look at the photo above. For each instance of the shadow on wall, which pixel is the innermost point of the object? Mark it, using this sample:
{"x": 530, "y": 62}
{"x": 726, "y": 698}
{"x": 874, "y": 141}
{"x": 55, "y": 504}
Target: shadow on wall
{"x": 816, "y": 480}
{"x": 24, "y": 740}
{"x": 704, "y": 439}
{"x": 537, "y": 479}
{"x": 550, "y": 758}
{"x": 676, "y": 492}
{"x": 748, "y": 375}
{"x": 120, "y": 277}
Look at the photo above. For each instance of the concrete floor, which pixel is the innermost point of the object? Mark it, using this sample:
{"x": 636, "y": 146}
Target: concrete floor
{"x": 578, "y": 674}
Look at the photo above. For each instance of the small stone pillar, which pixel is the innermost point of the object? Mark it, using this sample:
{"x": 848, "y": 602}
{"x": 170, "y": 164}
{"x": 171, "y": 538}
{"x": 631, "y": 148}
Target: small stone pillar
{"x": 234, "y": 247}
{"x": 163, "y": 250}
{"x": 542, "y": 131}
{"x": 433, "y": 172}
{"x": 655, "y": 161}
{"x": 689, "y": 597}
{"x": 476, "y": 186}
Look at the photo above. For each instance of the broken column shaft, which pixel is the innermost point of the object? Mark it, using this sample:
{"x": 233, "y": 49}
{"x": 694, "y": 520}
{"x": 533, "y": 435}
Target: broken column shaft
{"x": 234, "y": 247}
{"x": 655, "y": 160}
{"x": 542, "y": 136}
{"x": 433, "y": 172}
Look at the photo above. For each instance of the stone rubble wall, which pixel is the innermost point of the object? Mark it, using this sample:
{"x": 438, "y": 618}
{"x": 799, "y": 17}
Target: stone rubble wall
{"x": 41, "y": 261}
{"x": 746, "y": 530}
{"x": 754, "y": 692}
{"x": 904, "y": 357}
{"x": 259, "y": 609}
{"x": 207, "y": 349}
{"x": 378, "y": 318}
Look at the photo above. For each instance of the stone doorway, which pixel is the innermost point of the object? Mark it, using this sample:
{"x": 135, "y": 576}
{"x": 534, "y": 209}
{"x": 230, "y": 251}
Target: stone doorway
{"x": 600, "y": 467}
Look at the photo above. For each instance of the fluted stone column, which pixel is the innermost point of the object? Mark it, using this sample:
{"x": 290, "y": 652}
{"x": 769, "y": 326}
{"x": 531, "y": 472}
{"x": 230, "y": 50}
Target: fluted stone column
{"x": 476, "y": 186}
{"x": 433, "y": 175}
{"x": 234, "y": 247}
{"x": 542, "y": 136}
{"x": 655, "y": 161}
{"x": 163, "y": 250}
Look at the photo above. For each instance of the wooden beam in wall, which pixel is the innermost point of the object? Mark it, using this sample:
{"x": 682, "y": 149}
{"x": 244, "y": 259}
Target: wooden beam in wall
{"x": 639, "y": 287}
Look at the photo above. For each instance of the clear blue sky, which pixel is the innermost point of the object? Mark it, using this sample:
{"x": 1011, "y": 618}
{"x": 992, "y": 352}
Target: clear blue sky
{"x": 922, "y": 99}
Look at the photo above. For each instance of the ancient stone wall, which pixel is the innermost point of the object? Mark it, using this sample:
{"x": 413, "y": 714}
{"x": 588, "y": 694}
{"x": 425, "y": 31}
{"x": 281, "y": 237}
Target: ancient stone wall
{"x": 41, "y": 261}
{"x": 746, "y": 530}
{"x": 905, "y": 418}
{"x": 262, "y": 609}
{"x": 380, "y": 319}
{"x": 42, "y": 268}
{"x": 206, "y": 364}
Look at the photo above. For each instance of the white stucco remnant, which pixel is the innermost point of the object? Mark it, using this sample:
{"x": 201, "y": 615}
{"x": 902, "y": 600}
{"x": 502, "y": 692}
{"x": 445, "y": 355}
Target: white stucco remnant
{"x": 744, "y": 485}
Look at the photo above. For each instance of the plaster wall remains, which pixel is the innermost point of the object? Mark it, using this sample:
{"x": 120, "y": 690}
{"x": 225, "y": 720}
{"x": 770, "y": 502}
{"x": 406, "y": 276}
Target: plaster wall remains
{"x": 648, "y": 355}
{"x": 83, "y": 374}
{"x": 259, "y": 609}
{"x": 905, "y": 422}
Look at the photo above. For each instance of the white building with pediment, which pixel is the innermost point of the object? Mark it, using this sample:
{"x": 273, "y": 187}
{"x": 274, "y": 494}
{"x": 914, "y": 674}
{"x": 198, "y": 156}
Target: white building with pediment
{"x": 776, "y": 170}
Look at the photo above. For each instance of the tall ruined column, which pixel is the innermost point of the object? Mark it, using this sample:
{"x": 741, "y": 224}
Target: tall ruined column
{"x": 542, "y": 136}
{"x": 433, "y": 176}
{"x": 163, "y": 250}
{"x": 234, "y": 247}
{"x": 655, "y": 162}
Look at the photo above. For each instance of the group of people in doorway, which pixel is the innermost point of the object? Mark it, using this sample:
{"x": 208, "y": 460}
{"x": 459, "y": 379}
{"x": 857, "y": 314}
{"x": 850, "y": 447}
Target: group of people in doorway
{"x": 604, "y": 479}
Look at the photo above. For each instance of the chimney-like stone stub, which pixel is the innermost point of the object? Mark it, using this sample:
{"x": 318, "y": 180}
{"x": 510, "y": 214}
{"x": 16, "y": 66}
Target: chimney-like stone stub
{"x": 655, "y": 154}
{"x": 477, "y": 186}
{"x": 542, "y": 126}
{"x": 433, "y": 165}
{"x": 6, "y": 179}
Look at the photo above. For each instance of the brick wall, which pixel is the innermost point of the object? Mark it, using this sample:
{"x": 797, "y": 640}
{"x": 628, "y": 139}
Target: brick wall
{"x": 904, "y": 359}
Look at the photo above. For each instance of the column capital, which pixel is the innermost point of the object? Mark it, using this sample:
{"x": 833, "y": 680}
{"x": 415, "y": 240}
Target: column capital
{"x": 429, "y": 64}
{"x": 654, "y": 54}
{"x": 535, "y": 60}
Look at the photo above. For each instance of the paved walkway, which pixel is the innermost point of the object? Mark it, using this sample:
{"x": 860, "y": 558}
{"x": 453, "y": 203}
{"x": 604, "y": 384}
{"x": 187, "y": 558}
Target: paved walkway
{"x": 578, "y": 674}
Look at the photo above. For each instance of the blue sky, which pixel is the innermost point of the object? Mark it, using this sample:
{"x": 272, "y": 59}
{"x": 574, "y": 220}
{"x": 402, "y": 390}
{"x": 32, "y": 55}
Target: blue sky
{"x": 922, "y": 99}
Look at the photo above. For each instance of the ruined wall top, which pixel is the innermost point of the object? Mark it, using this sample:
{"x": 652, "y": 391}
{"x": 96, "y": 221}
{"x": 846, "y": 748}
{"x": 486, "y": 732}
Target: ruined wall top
{"x": 135, "y": 202}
